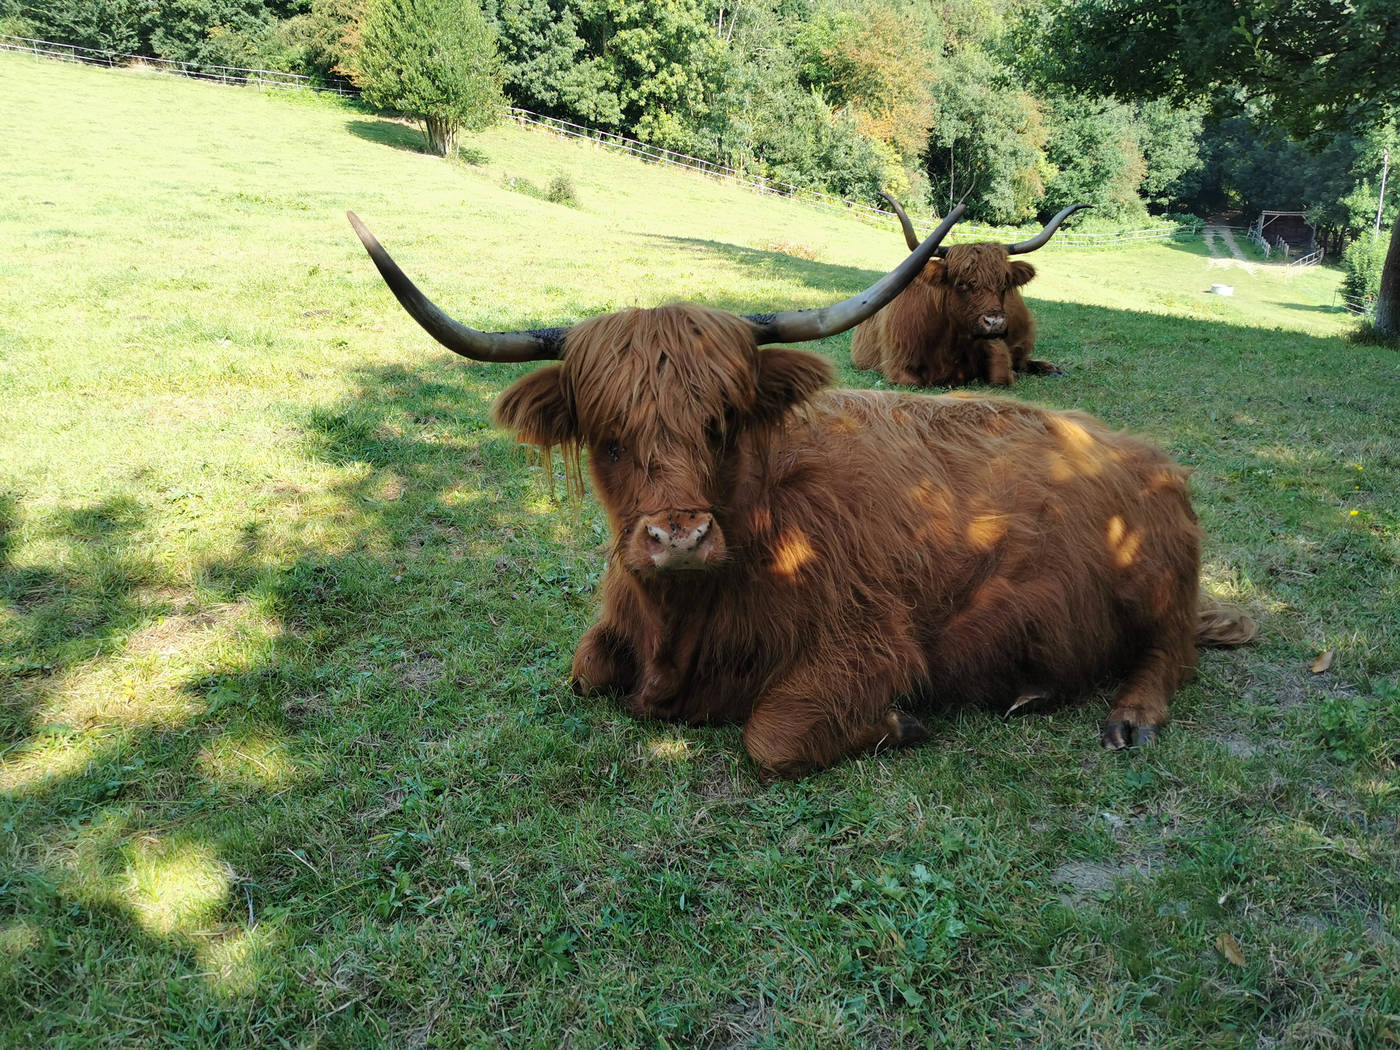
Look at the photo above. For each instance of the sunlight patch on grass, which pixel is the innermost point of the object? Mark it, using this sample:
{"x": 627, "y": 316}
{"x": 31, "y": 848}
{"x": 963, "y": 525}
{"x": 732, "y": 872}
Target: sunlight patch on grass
{"x": 233, "y": 964}
{"x": 50, "y": 758}
{"x": 99, "y": 696}
{"x": 174, "y": 888}
{"x": 17, "y": 937}
{"x": 669, "y": 748}
{"x": 174, "y": 634}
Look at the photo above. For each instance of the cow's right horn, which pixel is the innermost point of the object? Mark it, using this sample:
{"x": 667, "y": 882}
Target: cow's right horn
{"x": 1038, "y": 241}
{"x": 796, "y": 326}
{"x": 539, "y": 344}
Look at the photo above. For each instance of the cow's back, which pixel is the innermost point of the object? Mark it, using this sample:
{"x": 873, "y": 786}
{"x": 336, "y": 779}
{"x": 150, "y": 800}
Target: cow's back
{"x": 1021, "y": 548}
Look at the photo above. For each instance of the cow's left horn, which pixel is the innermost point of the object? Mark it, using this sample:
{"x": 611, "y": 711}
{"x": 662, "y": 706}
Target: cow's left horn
{"x": 796, "y": 326}
{"x": 910, "y": 237}
{"x": 1038, "y": 241}
{"x": 539, "y": 344}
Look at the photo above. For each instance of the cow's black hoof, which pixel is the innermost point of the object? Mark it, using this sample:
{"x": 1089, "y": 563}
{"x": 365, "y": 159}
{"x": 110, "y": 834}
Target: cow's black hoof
{"x": 911, "y": 730}
{"x": 1116, "y": 735}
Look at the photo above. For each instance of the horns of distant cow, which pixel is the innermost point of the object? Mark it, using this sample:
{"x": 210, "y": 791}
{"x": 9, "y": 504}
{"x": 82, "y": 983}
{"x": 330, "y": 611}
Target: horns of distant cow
{"x": 910, "y": 237}
{"x": 794, "y": 326}
{"x": 539, "y": 344}
{"x": 1019, "y": 248}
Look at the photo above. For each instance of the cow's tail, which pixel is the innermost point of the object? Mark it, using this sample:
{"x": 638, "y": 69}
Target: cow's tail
{"x": 1223, "y": 625}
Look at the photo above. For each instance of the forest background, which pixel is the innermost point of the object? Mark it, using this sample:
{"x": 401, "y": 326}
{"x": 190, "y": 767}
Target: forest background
{"x": 932, "y": 101}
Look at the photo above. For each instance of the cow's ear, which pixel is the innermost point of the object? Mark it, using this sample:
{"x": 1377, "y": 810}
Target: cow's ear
{"x": 935, "y": 271}
{"x": 1021, "y": 273}
{"x": 535, "y": 408}
{"x": 787, "y": 378}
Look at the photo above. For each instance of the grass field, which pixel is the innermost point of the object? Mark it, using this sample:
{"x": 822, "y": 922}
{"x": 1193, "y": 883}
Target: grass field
{"x": 287, "y": 755}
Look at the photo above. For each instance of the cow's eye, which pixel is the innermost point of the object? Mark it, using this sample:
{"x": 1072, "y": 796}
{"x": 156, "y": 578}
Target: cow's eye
{"x": 614, "y": 450}
{"x": 717, "y": 431}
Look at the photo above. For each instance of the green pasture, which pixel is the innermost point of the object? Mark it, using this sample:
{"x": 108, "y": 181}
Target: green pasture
{"x": 287, "y": 754}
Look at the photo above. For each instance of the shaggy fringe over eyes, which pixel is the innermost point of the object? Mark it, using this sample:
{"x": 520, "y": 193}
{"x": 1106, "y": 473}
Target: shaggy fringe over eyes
{"x": 980, "y": 265}
{"x": 656, "y": 379}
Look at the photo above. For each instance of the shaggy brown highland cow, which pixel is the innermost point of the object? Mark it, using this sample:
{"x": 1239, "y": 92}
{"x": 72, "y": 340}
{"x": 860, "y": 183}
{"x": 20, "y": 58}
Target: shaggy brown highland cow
{"x": 821, "y": 564}
{"x": 961, "y": 320}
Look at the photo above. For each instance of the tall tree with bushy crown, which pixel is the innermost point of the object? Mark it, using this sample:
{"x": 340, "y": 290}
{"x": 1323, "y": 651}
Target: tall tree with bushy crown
{"x": 434, "y": 61}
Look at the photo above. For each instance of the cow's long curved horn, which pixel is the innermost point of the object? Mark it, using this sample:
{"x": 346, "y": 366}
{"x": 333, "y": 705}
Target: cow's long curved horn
{"x": 797, "y": 326}
{"x": 540, "y": 344}
{"x": 1038, "y": 241}
{"x": 910, "y": 237}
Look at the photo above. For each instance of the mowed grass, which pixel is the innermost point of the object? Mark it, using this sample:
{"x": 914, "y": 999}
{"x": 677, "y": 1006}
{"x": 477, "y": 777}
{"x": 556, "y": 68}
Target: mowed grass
{"x": 287, "y": 755}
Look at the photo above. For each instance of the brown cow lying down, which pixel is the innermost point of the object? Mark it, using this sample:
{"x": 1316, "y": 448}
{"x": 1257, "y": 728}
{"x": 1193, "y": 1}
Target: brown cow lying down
{"x": 962, "y": 319}
{"x": 822, "y": 564}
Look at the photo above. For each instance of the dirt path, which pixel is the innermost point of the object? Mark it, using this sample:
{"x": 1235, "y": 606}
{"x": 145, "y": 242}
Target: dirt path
{"x": 1236, "y": 257}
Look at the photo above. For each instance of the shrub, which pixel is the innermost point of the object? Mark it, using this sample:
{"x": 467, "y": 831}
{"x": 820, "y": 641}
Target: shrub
{"x": 561, "y": 190}
{"x": 1362, "y": 262}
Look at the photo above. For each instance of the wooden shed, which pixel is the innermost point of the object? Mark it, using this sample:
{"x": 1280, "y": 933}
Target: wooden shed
{"x": 1290, "y": 227}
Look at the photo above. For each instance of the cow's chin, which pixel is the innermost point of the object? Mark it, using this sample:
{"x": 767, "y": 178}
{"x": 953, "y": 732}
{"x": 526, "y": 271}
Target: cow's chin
{"x": 652, "y": 557}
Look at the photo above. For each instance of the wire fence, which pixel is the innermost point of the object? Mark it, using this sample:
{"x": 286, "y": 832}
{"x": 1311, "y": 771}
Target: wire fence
{"x": 608, "y": 140}
{"x": 197, "y": 70}
{"x": 1361, "y": 305}
{"x": 829, "y": 202}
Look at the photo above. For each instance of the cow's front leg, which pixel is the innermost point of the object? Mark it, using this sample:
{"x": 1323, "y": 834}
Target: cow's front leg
{"x": 604, "y": 662}
{"x": 790, "y": 733}
{"x": 1140, "y": 709}
{"x": 997, "y": 362}
{"x": 1041, "y": 368}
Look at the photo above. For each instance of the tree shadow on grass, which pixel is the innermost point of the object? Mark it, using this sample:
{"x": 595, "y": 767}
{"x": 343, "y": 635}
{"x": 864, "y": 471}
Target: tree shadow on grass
{"x": 400, "y": 135}
{"x": 62, "y": 614}
{"x": 387, "y": 132}
{"x": 409, "y": 699}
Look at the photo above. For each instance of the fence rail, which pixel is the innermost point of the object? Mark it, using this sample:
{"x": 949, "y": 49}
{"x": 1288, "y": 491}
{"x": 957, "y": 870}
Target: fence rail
{"x": 602, "y": 139}
{"x": 1361, "y": 305}
{"x": 816, "y": 198}
{"x": 1303, "y": 261}
{"x": 197, "y": 70}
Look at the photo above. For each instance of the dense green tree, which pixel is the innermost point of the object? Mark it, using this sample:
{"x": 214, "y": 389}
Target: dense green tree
{"x": 103, "y": 25}
{"x": 325, "y": 38}
{"x": 874, "y": 59}
{"x": 1312, "y": 66}
{"x": 547, "y": 67}
{"x": 1170, "y": 137}
{"x": 660, "y": 58}
{"x": 764, "y": 121}
{"x": 434, "y": 61}
{"x": 1095, "y": 157}
{"x": 987, "y": 142}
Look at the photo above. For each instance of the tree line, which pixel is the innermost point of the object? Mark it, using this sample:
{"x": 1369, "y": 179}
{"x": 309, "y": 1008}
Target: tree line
{"x": 934, "y": 101}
